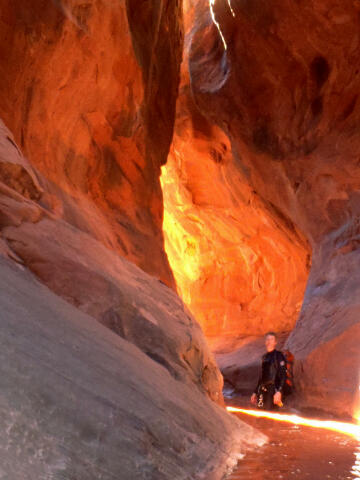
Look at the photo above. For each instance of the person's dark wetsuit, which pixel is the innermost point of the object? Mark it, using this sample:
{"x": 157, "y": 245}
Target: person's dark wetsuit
{"x": 272, "y": 379}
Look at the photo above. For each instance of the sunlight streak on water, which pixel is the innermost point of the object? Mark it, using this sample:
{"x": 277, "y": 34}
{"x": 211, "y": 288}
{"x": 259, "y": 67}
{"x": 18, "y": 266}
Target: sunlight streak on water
{"x": 350, "y": 429}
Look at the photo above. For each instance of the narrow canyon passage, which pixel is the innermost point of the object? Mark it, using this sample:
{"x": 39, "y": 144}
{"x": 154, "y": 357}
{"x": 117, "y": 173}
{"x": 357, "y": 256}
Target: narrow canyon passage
{"x": 177, "y": 178}
{"x": 261, "y": 189}
{"x": 247, "y": 253}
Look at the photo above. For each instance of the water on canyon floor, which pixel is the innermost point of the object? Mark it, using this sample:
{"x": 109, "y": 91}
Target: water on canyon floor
{"x": 299, "y": 453}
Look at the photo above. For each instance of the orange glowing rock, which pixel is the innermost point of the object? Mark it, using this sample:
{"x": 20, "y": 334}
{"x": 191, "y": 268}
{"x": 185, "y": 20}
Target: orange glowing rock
{"x": 230, "y": 260}
{"x": 286, "y": 92}
{"x": 237, "y": 266}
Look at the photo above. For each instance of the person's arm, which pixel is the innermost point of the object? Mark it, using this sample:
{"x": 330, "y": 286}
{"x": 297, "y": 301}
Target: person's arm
{"x": 281, "y": 373}
{"x": 256, "y": 391}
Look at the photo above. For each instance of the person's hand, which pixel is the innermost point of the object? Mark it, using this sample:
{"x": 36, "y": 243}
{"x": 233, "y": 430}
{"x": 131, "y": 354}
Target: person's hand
{"x": 253, "y": 399}
{"x": 277, "y": 399}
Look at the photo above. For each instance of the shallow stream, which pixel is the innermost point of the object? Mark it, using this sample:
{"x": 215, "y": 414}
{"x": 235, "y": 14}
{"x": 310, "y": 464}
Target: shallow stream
{"x": 299, "y": 453}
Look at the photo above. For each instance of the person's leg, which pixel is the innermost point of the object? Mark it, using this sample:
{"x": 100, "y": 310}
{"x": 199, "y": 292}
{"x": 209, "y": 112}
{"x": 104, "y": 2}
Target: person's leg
{"x": 269, "y": 399}
{"x": 265, "y": 398}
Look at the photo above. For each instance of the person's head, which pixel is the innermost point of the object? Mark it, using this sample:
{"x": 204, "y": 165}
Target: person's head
{"x": 270, "y": 341}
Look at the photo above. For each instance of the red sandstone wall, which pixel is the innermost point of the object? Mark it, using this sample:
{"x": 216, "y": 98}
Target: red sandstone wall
{"x": 239, "y": 265}
{"x": 88, "y": 90}
{"x": 286, "y": 93}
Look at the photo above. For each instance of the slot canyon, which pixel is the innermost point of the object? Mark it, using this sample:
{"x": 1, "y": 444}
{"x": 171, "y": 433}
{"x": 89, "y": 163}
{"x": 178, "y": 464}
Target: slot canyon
{"x": 177, "y": 179}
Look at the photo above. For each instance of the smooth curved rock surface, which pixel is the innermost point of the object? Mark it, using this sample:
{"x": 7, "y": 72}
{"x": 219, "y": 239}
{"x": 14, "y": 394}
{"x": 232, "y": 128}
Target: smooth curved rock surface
{"x": 78, "y": 401}
{"x": 326, "y": 338}
{"x": 99, "y": 282}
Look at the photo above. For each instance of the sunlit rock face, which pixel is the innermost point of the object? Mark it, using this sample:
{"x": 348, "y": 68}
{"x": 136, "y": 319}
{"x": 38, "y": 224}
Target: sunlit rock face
{"x": 88, "y": 89}
{"x": 286, "y": 93}
{"x": 237, "y": 264}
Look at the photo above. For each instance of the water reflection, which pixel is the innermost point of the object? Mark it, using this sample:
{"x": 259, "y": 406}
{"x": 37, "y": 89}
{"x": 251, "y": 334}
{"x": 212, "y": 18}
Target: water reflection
{"x": 356, "y": 467}
{"x": 296, "y": 452}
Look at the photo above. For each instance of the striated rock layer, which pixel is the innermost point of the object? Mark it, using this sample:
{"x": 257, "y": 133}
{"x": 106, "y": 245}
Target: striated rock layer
{"x": 286, "y": 93}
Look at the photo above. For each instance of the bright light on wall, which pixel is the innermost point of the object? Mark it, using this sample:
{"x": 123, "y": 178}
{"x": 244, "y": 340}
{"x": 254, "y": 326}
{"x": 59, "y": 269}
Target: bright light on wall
{"x": 211, "y": 5}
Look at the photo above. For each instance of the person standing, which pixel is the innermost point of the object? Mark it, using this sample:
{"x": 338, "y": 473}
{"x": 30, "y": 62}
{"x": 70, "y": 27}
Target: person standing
{"x": 269, "y": 389}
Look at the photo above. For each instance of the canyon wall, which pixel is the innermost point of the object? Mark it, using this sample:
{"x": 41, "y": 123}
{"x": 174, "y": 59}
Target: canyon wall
{"x": 260, "y": 187}
{"x": 104, "y": 371}
{"x": 89, "y": 89}
{"x": 285, "y": 91}
{"x": 79, "y": 401}
{"x": 237, "y": 265}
